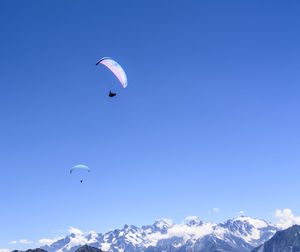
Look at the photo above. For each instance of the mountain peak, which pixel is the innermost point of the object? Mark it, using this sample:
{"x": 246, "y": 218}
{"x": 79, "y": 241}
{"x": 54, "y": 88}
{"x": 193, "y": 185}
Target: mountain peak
{"x": 163, "y": 223}
{"x": 247, "y": 221}
{"x": 257, "y": 223}
{"x": 192, "y": 220}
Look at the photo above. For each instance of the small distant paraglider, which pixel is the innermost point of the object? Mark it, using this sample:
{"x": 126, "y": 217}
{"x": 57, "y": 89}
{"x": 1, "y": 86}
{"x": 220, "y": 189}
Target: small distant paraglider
{"x": 80, "y": 167}
{"x": 117, "y": 70}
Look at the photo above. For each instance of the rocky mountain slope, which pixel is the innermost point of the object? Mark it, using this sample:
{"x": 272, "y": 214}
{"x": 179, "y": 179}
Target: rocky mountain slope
{"x": 283, "y": 241}
{"x": 87, "y": 248}
{"x": 30, "y": 250}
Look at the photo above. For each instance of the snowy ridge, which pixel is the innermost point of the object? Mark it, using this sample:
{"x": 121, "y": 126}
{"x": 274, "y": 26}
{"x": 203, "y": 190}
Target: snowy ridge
{"x": 239, "y": 234}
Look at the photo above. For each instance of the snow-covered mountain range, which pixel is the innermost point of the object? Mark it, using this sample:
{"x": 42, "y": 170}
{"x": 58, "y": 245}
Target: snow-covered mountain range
{"x": 236, "y": 235}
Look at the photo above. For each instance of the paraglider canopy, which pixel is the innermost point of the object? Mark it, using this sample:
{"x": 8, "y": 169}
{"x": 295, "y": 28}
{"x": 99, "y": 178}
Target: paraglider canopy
{"x": 82, "y": 167}
{"x": 116, "y": 68}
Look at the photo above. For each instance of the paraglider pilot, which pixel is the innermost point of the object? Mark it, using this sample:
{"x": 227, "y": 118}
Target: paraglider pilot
{"x": 111, "y": 94}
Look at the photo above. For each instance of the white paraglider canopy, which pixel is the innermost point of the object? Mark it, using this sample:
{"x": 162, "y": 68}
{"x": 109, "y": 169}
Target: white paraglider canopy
{"x": 116, "y": 68}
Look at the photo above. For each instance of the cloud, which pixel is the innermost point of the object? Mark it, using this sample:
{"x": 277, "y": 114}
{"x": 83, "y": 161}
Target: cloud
{"x": 24, "y": 241}
{"x": 182, "y": 230}
{"x": 45, "y": 241}
{"x": 286, "y": 218}
{"x": 191, "y": 219}
{"x": 214, "y": 210}
{"x": 76, "y": 231}
{"x": 78, "y": 239}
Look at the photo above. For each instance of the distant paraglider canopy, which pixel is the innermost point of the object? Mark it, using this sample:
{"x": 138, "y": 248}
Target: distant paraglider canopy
{"x": 82, "y": 167}
{"x": 116, "y": 68}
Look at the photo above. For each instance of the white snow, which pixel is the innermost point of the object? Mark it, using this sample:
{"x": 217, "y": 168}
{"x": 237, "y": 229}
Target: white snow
{"x": 105, "y": 246}
{"x": 134, "y": 239}
{"x": 254, "y": 222}
{"x": 161, "y": 223}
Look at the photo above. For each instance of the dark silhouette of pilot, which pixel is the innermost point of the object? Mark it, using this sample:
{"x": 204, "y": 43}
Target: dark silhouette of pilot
{"x": 111, "y": 94}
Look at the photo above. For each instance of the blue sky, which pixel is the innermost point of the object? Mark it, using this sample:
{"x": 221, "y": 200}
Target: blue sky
{"x": 210, "y": 117}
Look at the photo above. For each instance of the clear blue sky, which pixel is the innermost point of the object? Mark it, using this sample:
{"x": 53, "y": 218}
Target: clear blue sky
{"x": 210, "y": 117}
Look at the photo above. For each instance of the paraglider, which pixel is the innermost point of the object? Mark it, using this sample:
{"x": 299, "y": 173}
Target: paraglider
{"x": 80, "y": 167}
{"x": 117, "y": 70}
